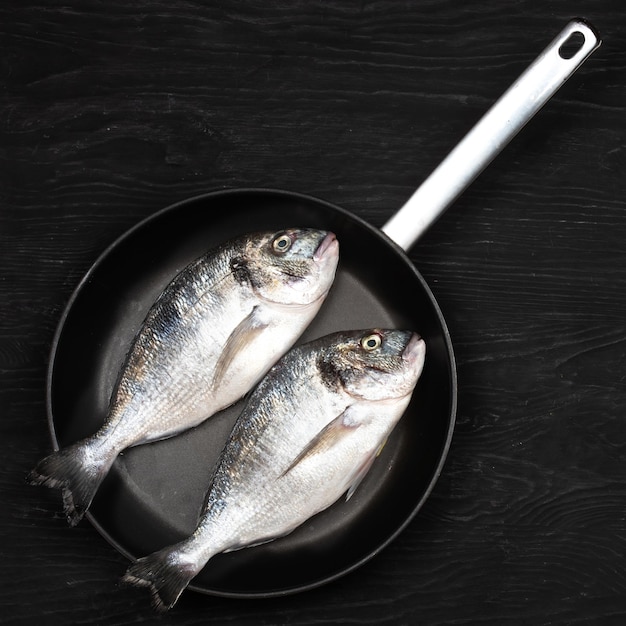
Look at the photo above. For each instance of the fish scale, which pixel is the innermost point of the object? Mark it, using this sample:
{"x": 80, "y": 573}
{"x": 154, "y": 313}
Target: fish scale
{"x": 309, "y": 433}
{"x": 207, "y": 340}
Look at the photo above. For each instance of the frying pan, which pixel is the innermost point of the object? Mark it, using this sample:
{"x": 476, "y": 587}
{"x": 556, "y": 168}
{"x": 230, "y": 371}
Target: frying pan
{"x": 154, "y": 493}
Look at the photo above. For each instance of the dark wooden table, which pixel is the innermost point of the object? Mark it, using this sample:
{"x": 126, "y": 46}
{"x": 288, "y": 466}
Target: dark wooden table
{"x": 112, "y": 111}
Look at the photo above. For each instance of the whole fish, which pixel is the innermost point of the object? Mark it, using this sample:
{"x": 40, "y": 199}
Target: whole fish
{"x": 211, "y": 335}
{"x": 308, "y": 434}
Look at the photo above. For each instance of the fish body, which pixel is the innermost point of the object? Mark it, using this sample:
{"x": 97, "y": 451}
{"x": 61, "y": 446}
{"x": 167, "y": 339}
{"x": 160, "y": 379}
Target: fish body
{"x": 211, "y": 335}
{"x": 308, "y": 434}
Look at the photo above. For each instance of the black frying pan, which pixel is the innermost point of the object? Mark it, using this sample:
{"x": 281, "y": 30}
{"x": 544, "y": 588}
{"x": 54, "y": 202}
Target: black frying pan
{"x": 153, "y": 493}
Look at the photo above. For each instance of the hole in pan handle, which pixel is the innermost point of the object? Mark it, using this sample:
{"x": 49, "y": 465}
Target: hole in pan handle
{"x": 539, "y": 82}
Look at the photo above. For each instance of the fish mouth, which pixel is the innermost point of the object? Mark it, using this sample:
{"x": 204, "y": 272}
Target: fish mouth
{"x": 415, "y": 351}
{"x": 329, "y": 246}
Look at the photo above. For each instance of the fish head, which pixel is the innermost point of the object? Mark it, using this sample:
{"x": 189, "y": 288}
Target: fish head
{"x": 376, "y": 364}
{"x": 293, "y": 267}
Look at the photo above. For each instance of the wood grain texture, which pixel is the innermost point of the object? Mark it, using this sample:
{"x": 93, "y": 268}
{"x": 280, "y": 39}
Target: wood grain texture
{"x": 111, "y": 111}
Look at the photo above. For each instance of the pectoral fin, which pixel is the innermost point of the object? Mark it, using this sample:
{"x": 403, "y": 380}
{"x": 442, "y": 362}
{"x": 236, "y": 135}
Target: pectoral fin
{"x": 331, "y": 434}
{"x": 245, "y": 332}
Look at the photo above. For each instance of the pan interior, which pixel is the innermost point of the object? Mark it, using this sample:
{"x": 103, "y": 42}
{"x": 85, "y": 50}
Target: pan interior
{"x": 153, "y": 494}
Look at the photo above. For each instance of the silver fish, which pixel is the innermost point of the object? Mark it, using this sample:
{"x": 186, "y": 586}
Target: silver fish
{"x": 213, "y": 333}
{"x": 308, "y": 434}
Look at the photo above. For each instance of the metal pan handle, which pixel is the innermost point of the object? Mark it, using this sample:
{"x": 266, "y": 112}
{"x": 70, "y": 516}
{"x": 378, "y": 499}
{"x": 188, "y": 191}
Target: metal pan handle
{"x": 496, "y": 128}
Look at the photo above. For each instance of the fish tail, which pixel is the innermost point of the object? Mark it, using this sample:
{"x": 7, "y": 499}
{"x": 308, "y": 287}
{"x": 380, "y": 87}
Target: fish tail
{"x": 166, "y": 573}
{"x": 78, "y": 471}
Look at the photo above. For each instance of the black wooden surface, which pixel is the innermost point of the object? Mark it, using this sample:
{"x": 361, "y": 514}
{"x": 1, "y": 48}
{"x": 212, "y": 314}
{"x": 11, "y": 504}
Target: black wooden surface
{"x": 112, "y": 110}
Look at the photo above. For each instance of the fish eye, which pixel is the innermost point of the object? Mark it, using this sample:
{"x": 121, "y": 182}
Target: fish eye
{"x": 371, "y": 342}
{"x": 282, "y": 243}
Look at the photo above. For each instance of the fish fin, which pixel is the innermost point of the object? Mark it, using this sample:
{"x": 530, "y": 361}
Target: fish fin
{"x": 363, "y": 469}
{"x": 242, "y": 335}
{"x": 164, "y": 574}
{"x": 326, "y": 438}
{"x": 75, "y": 471}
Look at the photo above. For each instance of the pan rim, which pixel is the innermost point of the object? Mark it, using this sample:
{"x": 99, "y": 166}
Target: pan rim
{"x": 309, "y": 199}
